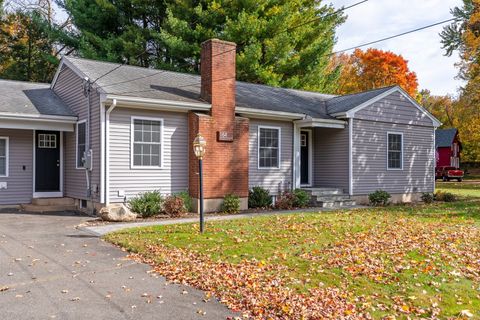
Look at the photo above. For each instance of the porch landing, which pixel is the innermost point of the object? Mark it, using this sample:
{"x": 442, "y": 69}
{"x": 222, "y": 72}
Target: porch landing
{"x": 329, "y": 197}
{"x": 50, "y": 205}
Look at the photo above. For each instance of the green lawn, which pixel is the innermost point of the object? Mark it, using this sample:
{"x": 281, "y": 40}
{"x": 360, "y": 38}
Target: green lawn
{"x": 416, "y": 261}
{"x": 467, "y": 188}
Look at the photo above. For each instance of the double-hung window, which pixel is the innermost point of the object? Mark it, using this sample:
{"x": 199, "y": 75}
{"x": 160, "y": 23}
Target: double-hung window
{"x": 395, "y": 151}
{"x": 3, "y": 157}
{"x": 268, "y": 147}
{"x": 147, "y": 142}
{"x": 81, "y": 142}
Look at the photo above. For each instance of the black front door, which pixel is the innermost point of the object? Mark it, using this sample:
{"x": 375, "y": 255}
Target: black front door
{"x": 47, "y": 161}
{"x": 304, "y": 157}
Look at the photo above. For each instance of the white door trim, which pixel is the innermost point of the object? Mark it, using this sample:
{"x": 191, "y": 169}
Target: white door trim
{"x": 48, "y": 194}
{"x": 310, "y": 158}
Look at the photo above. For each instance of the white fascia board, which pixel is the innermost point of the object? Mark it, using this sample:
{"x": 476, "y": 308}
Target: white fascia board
{"x": 268, "y": 114}
{"x": 38, "y": 117}
{"x": 155, "y": 104}
{"x": 436, "y": 122}
{"x": 32, "y": 124}
{"x": 321, "y": 123}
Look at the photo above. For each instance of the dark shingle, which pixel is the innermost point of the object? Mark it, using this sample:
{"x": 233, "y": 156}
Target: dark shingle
{"x": 168, "y": 85}
{"x": 444, "y": 137}
{"x": 31, "y": 98}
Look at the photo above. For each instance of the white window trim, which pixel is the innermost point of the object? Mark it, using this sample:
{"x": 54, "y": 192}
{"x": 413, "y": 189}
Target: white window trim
{"x": 7, "y": 155}
{"x": 76, "y": 142}
{"x": 132, "y": 132}
{"x": 279, "y": 147}
{"x": 401, "y": 153}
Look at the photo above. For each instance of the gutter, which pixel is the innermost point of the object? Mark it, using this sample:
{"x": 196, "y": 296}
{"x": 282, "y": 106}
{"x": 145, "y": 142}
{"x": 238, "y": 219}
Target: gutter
{"x": 159, "y": 104}
{"x": 259, "y": 113}
{"x": 38, "y": 117}
{"x": 107, "y": 151}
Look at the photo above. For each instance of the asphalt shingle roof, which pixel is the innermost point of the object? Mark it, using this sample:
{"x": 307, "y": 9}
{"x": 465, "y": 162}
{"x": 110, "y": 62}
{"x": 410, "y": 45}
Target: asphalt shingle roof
{"x": 444, "y": 137}
{"x": 31, "y": 98}
{"x": 168, "y": 85}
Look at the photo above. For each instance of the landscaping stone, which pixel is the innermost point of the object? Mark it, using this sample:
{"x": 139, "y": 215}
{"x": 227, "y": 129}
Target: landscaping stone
{"x": 117, "y": 213}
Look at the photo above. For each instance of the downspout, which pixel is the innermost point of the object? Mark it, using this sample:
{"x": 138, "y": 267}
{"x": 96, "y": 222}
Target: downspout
{"x": 350, "y": 156}
{"x": 88, "y": 152}
{"x": 107, "y": 151}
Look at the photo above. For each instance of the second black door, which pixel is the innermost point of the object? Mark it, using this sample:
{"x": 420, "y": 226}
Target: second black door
{"x": 47, "y": 161}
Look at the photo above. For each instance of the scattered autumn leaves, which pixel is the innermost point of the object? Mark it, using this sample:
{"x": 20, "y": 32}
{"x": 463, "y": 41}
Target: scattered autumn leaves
{"x": 387, "y": 267}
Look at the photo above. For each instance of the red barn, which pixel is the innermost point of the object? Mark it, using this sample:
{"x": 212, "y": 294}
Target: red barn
{"x": 448, "y": 148}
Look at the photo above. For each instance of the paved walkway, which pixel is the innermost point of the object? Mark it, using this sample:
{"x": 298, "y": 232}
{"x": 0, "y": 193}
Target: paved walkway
{"x": 101, "y": 230}
{"x": 51, "y": 270}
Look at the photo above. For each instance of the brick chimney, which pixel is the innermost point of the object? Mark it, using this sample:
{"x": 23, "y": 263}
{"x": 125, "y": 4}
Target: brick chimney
{"x": 226, "y": 160}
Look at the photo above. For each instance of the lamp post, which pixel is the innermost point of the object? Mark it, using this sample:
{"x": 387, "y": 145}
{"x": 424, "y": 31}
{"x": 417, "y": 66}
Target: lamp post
{"x": 199, "y": 147}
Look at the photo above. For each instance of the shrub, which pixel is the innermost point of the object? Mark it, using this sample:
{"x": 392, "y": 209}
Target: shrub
{"x": 379, "y": 198}
{"x": 146, "y": 204}
{"x": 259, "y": 197}
{"x": 285, "y": 200}
{"x": 445, "y": 196}
{"x": 231, "y": 204}
{"x": 427, "y": 197}
{"x": 187, "y": 200}
{"x": 174, "y": 206}
{"x": 302, "y": 198}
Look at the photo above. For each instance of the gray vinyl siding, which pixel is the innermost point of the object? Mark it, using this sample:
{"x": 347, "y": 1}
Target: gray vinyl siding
{"x": 173, "y": 177}
{"x": 69, "y": 87}
{"x": 395, "y": 108}
{"x": 19, "y": 181}
{"x": 370, "y": 158}
{"x": 272, "y": 179}
{"x": 330, "y": 158}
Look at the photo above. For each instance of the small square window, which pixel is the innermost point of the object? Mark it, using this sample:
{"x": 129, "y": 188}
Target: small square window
{"x": 47, "y": 141}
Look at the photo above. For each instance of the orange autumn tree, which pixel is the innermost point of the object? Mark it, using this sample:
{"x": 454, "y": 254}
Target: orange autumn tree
{"x": 374, "y": 68}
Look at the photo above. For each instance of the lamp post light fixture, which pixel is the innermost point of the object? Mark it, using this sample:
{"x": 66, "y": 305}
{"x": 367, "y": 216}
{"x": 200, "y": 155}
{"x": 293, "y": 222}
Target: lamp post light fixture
{"x": 199, "y": 148}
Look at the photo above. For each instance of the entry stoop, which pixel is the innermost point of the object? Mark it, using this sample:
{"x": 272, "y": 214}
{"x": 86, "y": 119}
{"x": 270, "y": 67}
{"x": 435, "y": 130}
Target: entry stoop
{"x": 329, "y": 198}
{"x": 50, "y": 205}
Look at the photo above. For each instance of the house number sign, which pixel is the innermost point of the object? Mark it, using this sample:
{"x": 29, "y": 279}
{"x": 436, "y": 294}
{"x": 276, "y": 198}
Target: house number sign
{"x": 225, "y": 136}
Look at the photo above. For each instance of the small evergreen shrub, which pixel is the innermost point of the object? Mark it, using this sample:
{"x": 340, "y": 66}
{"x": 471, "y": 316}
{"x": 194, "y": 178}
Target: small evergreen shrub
{"x": 379, "y": 198}
{"x": 445, "y": 197}
{"x": 259, "y": 197}
{"x": 231, "y": 204}
{"x": 174, "y": 206}
{"x": 285, "y": 200}
{"x": 428, "y": 197}
{"x": 302, "y": 198}
{"x": 146, "y": 204}
{"x": 187, "y": 200}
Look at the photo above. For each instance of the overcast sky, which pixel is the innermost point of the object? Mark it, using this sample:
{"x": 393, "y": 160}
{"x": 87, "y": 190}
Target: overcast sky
{"x": 377, "y": 19}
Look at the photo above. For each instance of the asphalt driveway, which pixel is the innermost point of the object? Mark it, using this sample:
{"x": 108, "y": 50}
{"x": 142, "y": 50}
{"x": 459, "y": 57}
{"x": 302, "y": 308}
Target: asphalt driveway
{"x": 51, "y": 270}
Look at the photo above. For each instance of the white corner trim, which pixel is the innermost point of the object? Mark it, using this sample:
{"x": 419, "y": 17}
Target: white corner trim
{"x": 279, "y": 129}
{"x": 401, "y": 153}
{"x": 76, "y": 141}
{"x": 102, "y": 153}
{"x": 350, "y": 156}
{"x": 296, "y": 156}
{"x": 7, "y": 155}
{"x": 132, "y": 140}
{"x": 107, "y": 151}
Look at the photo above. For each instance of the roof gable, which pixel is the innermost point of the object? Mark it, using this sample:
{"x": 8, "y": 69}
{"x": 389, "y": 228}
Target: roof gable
{"x": 445, "y": 137}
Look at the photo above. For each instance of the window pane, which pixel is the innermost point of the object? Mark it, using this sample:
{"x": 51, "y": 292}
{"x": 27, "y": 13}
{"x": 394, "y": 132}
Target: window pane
{"x": 155, "y": 160}
{"x": 137, "y": 148}
{"x": 137, "y": 160}
{"x": 3, "y": 147}
{"x": 147, "y": 136}
{"x": 3, "y": 166}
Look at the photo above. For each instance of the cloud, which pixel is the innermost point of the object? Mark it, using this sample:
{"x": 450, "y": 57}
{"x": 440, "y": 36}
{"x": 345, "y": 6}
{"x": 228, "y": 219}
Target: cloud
{"x": 377, "y": 19}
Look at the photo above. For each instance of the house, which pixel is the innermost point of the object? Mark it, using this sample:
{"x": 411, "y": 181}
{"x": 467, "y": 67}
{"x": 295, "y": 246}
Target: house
{"x": 448, "y": 147}
{"x": 139, "y": 125}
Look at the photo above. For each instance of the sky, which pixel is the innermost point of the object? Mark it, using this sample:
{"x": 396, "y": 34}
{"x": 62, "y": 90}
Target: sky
{"x": 378, "y": 19}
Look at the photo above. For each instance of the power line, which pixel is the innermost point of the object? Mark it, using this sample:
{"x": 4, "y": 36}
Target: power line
{"x": 394, "y": 36}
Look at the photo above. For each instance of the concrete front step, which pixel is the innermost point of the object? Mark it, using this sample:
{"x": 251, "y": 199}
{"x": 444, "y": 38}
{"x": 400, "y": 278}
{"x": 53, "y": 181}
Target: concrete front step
{"x": 45, "y": 208}
{"x": 323, "y": 191}
{"x": 53, "y": 201}
{"x": 336, "y": 204}
{"x": 332, "y": 197}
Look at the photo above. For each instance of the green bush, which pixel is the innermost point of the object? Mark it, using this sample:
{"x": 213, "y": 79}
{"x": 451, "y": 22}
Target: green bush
{"x": 231, "y": 204}
{"x": 146, "y": 204}
{"x": 445, "y": 196}
{"x": 428, "y": 197}
{"x": 174, "y": 206}
{"x": 302, "y": 198}
{"x": 259, "y": 197}
{"x": 285, "y": 201}
{"x": 187, "y": 200}
{"x": 379, "y": 198}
